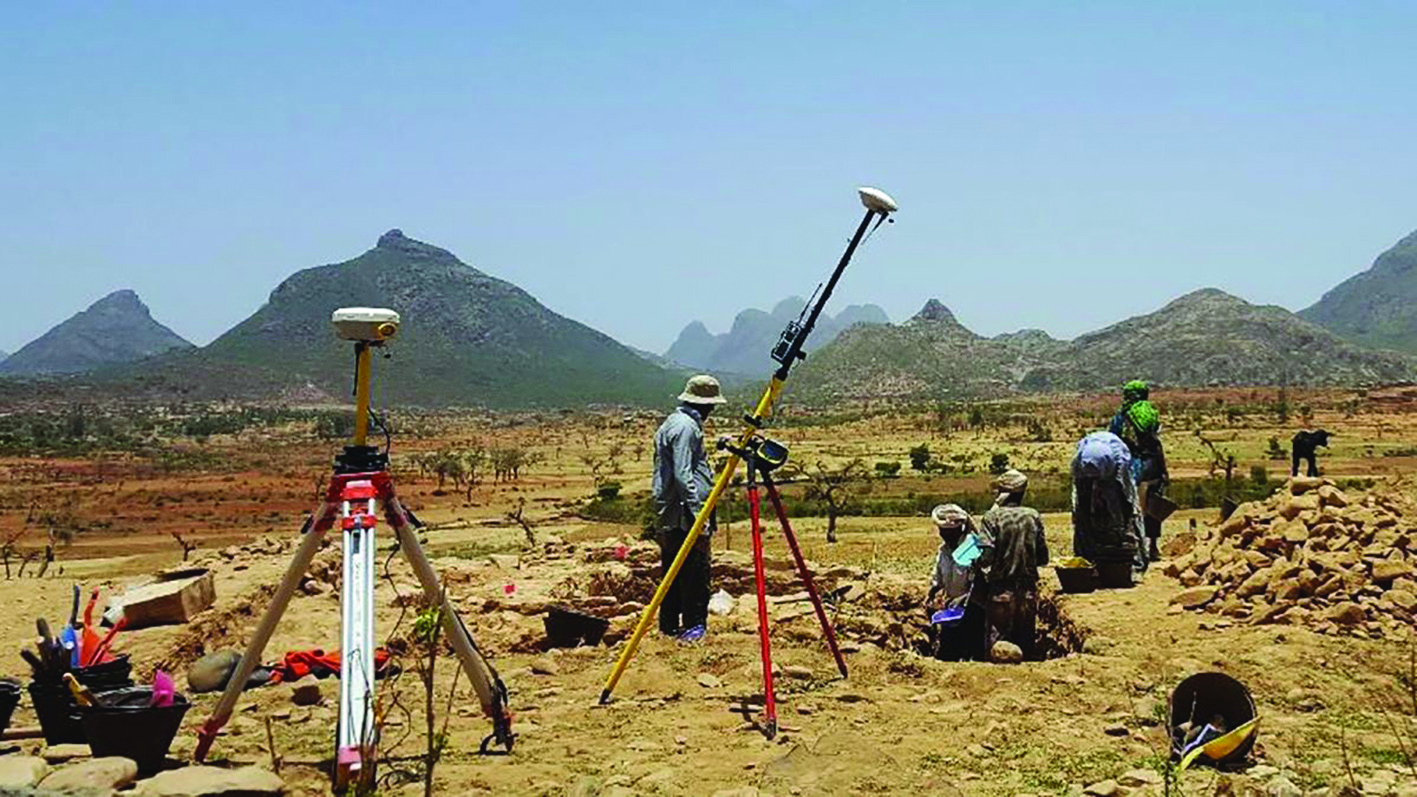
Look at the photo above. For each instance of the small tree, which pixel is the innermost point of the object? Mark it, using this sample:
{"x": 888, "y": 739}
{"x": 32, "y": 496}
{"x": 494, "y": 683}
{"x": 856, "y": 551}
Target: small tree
{"x": 920, "y": 458}
{"x": 998, "y": 463}
{"x": 832, "y": 486}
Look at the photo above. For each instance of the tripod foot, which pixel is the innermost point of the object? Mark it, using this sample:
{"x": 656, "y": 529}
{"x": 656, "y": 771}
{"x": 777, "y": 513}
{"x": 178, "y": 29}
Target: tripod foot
{"x": 605, "y": 697}
{"x": 771, "y": 729}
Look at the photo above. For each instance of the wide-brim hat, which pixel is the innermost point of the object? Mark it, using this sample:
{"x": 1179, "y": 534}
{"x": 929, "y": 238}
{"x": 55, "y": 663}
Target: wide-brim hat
{"x": 702, "y": 389}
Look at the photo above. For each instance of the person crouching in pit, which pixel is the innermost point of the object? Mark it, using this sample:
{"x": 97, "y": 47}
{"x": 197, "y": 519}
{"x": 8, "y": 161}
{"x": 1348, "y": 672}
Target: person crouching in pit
{"x": 956, "y": 610}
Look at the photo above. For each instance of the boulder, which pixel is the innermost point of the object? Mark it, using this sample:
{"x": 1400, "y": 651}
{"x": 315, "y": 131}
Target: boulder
{"x": 21, "y": 771}
{"x": 1004, "y": 652}
{"x": 1346, "y": 613}
{"x": 306, "y": 692}
{"x": 1332, "y": 496}
{"x": 94, "y": 776}
{"x": 1299, "y": 485}
{"x": 1194, "y": 597}
{"x": 201, "y": 781}
{"x": 1403, "y": 599}
{"x": 1389, "y": 569}
{"x": 59, "y": 753}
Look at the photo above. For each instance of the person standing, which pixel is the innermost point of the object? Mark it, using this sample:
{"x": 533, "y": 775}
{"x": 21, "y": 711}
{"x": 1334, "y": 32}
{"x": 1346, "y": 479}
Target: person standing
{"x": 1139, "y": 425}
{"x": 953, "y": 586}
{"x": 682, "y": 480}
{"x": 1011, "y": 565}
{"x": 1305, "y": 443}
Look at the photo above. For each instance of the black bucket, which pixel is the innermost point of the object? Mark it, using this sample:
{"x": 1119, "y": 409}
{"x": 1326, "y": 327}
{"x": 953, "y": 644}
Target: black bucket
{"x": 9, "y": 699}
{"x": 54, "y": 703}
{"x": 569, "y": 629}
{"x": 1115, "y": 575}
{"x": 125, "y": 724}
{"x": 1209, "y": 694}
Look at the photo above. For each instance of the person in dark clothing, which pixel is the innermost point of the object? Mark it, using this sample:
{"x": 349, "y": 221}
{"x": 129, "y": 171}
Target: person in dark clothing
{"x": 1305, "y": 443}
{"x": 954, "y": 587}
{"x": 1011, "y": 564}
{"x": 682, "y": 480}
{"x": 1139, "y": 425}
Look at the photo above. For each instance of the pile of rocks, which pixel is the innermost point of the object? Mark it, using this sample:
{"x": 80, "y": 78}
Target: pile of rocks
{"x": 1309, "y": 555}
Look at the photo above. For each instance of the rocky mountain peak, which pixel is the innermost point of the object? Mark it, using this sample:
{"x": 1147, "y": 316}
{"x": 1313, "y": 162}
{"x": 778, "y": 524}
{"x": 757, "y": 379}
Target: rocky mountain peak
{"x": 935, "y": 310}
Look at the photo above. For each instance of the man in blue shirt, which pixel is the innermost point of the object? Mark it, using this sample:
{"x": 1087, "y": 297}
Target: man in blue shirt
{"x": 682, "y": 480}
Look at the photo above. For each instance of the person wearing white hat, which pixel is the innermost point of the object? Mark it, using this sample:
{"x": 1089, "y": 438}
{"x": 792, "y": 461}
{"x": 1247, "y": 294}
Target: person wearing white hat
{"x": 682, "y": 480}
{"x": 1012, "y": 568}
{"x": 957, "y": 618}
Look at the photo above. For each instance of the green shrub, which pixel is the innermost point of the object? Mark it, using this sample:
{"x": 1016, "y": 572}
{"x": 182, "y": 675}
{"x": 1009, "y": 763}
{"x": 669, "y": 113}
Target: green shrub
{"x": 887, "y": 470}
{"x": 920, "y": 457}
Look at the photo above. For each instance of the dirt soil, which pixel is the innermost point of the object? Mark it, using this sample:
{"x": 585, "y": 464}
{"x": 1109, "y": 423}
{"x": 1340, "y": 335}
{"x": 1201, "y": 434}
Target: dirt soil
{"x": 685, "y": 719}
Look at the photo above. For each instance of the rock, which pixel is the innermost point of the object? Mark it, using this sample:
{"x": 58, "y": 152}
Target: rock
{"x": 797, "y": 671}
{"x": 211, "y": 672}
{"x": 504, "y": 561}
{"x": 1195, "y": 597}
{"x": 1332, "y": 496}
{"x": 1282, "y": 787}
{"x": 306, "y": 692}
{"x": 1300, "y": 485}
{"x": 1389, "y": 569}
{"x": 1005, "y": 652}
{"x": 545, "y": 666}
{"x": 21, "y": 771}
{"x": 1105, "y": 788}
{"x": 1138, "y": 778}
{"x": 199, "y": 781}
{"x": 97, "y": 775}
{"x": 1346, "y": 614}
{"x": 59, "y": 753}
{"x": 741, "y": 791}
{"x": 1403, "y": 599}
{"x": 1116, "y": 729}
{"x": 709, "y": 680}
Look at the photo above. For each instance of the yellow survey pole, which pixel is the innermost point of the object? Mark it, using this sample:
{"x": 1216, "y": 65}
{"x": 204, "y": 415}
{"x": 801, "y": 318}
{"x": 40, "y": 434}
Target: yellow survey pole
{"x": 760, "y": 414}
{"x": 363, "y": 362}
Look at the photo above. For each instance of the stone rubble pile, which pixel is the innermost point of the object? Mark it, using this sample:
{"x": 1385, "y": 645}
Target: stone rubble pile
{"x": 1309, "y": 555}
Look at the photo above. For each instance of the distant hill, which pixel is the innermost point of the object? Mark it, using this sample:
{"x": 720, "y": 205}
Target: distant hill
{"x": 3, "y": 355}
{"x": 744, "y": 348}
{"x": 1203, "y": 338}
{"x": 1377, "y": 307}
{"x": 467, "y": 339}
{"x": 115, "y": 329}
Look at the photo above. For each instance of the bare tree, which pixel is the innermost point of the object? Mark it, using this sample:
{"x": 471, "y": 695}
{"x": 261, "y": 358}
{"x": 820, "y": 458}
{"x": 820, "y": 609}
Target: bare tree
{"x": 831, "y": 486}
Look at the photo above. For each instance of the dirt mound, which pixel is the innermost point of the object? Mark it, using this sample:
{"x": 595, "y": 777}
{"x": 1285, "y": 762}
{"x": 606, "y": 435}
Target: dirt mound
{"x": 1309, "y": 555}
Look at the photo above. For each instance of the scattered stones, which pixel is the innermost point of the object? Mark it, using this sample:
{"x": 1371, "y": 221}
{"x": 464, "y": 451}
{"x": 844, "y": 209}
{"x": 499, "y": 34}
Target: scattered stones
{"x": 709, "y": 681}
{"x": 1005, "y": 652}
{"x": 306, "y": 692}
{"x": 1138, "y": 778}
{"x": 59, "y": 753}
{"x": 1106, "y": 788}
{"x": 545, "y": 666}
{"x": 1194, "y": 598}
{"x": 97, "y": 775}
{"x": 797, "y": 671}
{"x": 1117, "y": 729}
{"x": 21, "y": 771}
{"x": 199, "y": 781}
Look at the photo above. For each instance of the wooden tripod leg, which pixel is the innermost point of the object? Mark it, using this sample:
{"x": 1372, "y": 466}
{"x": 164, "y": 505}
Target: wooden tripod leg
{"x": 827, "y": 630}
{"x": 309, "y": 546}
{"x": 491, "y": 692}
{"x": 769, "y": 697}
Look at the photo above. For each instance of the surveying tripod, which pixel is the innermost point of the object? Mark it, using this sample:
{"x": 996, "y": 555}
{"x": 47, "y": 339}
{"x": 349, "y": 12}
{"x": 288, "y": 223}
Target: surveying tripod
{"x": 787, "y": 352}
{"x": 762, "y": 456}
{"x": 361, "y": 483}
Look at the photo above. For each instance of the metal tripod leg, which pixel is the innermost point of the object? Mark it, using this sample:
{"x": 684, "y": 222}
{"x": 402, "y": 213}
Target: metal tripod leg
{"x": 315, "y": 533}
{"x": 769, "y": 696}
{"x": 827, "y": 630}
{"x": 356, "y": 737}
{"x": 491, "y": 692}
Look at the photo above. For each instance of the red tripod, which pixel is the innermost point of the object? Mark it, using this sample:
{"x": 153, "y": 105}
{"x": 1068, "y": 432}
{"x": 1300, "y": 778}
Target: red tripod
{"x": 762, "y": 457}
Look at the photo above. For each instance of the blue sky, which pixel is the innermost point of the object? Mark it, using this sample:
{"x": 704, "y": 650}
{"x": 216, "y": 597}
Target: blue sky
{"x": 635, "y": 166}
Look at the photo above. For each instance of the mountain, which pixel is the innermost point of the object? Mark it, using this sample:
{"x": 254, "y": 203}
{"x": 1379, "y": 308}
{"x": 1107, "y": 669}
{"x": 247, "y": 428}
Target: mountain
{"x": 115, "y": 329}
{"x": 3, "y": 356}
{"x": 466, "y": 338}
{"x": 1203, "y": 338}
{"x": 1377, "y": 307}
{"x": 744, "y": 348}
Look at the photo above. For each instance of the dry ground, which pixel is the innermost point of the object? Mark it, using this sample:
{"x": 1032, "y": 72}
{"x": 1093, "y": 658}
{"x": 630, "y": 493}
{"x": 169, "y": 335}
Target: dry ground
{"x": 898, "y": 724}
